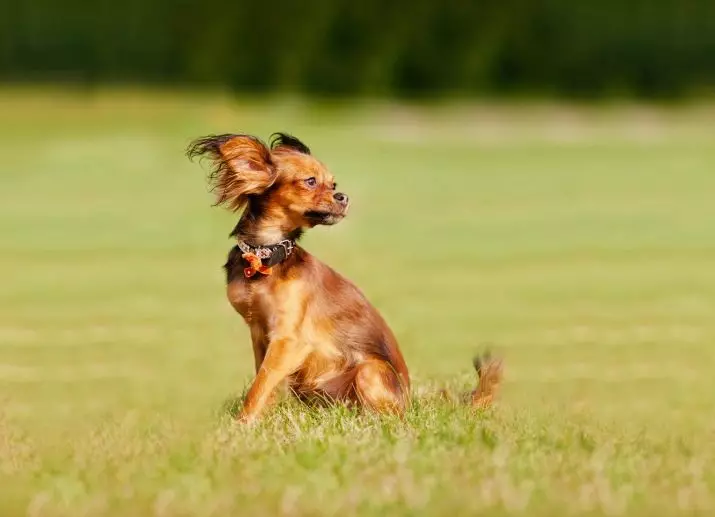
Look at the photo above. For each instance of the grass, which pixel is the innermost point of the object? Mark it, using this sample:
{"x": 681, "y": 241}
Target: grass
{"x": 576, "y": 241}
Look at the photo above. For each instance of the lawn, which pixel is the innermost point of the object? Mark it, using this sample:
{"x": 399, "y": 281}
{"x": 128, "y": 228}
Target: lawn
{"x": 576, "y": 241}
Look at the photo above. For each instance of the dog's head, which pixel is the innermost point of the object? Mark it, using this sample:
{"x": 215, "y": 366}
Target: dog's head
{"x": 282, "y": 181}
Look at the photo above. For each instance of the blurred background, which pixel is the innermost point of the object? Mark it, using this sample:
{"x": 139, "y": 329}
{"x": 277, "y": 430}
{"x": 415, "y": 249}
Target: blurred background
{"x": 424, "y": 48}
{"x": 536, "y": 176}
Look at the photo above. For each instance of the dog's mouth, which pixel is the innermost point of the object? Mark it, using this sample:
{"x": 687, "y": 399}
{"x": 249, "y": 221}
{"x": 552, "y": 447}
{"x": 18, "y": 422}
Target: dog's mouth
{"x": 324, "y": 217}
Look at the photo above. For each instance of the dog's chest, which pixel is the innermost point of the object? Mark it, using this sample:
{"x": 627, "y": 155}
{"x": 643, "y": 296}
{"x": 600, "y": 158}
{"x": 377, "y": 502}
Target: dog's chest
{"x": 284, "y": 309}
{"x": 248, "y": 299}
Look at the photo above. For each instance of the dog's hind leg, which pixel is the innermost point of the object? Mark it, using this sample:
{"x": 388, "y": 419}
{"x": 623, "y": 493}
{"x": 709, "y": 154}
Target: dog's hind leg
{"x": 378, "y": 387}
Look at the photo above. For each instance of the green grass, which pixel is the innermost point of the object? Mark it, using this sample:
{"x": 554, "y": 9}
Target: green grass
{"x": 579, "y": 242}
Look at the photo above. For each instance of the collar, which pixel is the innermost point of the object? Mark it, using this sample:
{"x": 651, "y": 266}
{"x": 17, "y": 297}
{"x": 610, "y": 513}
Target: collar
{"x": 261, "y": 259}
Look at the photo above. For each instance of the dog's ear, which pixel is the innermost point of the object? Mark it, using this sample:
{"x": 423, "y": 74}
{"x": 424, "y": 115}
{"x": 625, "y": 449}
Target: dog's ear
{"x": 285, "y": 141}
{"x": 242, "y": 167}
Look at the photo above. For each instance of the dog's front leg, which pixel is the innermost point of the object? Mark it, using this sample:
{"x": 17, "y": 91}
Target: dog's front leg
{"x": 283, "y": 357}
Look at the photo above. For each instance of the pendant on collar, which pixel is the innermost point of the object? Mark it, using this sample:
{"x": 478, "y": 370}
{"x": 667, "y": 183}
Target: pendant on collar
{"x": 261, "y": 259}
{"x": 255, "y": 265}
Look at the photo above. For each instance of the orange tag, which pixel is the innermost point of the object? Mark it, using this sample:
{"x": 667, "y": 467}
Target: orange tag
{"x": 254, "y": 266}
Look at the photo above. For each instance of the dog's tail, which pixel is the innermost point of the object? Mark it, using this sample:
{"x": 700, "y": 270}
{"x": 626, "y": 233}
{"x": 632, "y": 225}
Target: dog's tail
{"x": 490, "y": 372}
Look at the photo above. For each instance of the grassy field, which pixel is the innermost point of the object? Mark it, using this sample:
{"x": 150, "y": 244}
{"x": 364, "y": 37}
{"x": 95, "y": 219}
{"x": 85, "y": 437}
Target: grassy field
{"x": 579, "y": 242}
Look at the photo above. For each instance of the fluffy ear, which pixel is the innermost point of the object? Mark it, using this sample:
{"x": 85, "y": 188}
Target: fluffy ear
{"x": 289, "y": 142}
{"x": 242, "y": 167}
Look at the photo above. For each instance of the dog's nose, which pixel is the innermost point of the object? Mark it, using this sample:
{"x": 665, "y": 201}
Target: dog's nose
{"x": 340, "y": 198}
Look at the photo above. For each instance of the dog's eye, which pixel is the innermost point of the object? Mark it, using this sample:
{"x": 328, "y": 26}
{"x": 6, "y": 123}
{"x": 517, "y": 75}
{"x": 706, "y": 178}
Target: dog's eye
{"x": 335, "y": 185}
{"x": 311, "y": 182}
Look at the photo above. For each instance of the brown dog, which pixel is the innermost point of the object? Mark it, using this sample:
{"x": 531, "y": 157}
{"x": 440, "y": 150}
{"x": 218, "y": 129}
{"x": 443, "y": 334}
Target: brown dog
{"x": 309, "y": 325}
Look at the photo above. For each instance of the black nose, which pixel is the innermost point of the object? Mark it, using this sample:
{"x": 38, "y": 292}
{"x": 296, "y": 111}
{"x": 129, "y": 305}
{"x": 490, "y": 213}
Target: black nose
{"x": 340, "y": 198}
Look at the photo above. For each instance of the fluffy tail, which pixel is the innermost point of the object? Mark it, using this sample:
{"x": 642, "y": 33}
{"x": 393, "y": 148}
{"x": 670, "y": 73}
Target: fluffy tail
{"x": 490, "y": 372}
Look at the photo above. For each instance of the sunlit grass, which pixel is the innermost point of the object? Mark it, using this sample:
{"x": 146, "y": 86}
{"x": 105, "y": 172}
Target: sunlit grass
{"x": 576, "y": 241}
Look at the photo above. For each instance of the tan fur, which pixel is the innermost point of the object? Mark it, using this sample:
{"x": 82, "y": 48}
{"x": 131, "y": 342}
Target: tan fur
{"x": 490, "y": 373}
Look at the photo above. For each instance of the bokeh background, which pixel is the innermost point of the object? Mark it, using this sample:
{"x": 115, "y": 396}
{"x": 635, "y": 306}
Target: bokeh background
{"x": 424, "y": 48}
{"x": 532, "y": 176}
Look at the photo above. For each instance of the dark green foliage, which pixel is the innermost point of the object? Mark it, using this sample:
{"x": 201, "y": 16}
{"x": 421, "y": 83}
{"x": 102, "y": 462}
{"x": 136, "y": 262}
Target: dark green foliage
{"x": 422, "y": 47}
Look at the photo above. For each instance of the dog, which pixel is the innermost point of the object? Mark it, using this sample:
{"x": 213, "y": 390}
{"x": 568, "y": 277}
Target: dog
{"x": 310, "y": 327}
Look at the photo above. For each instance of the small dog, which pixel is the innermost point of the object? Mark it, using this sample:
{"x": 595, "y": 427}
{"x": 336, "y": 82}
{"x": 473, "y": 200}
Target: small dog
{"x": 309, "y": 325}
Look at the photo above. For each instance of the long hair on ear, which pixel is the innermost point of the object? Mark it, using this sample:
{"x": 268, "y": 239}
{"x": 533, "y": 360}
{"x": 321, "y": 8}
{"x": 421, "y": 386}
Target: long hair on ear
{"x": 286, "y": 141}
{"x": 242, "y": 167}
